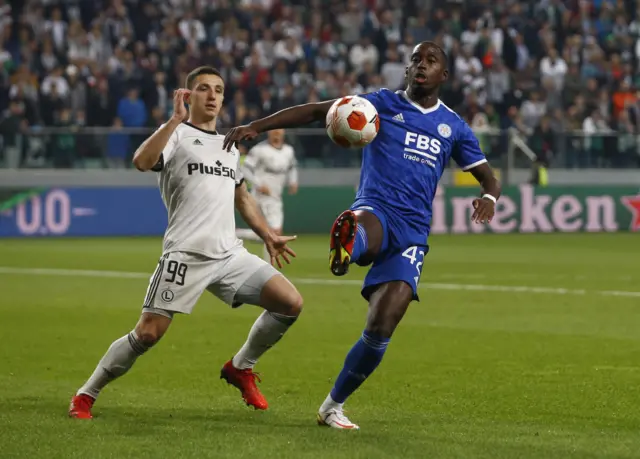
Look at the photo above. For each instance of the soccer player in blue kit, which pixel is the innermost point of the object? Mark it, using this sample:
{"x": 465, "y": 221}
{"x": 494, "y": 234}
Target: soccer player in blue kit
{"x": 388, "y": 224}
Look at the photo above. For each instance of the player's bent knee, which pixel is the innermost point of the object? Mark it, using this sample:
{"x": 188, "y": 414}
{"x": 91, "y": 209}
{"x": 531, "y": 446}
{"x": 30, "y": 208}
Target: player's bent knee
{"x": 295, "y": 303}
{"x": 151, "y": 327}
{"x": 279, "y": 295}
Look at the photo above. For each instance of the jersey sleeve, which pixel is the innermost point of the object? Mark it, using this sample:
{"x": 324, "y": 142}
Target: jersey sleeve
{"x": 466, "y": 151}
{"x": 374, "y": 97}
{"x": 239, "y": 172}
{"x": 168, "y": 150}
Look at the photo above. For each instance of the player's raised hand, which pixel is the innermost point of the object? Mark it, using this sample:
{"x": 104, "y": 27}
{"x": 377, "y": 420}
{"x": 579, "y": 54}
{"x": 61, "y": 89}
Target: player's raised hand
{"x": 484, "y": 211}
{"x": 180, "y": 96}
{"x": 277, "y": 248}
{"x": 238, "y": 134}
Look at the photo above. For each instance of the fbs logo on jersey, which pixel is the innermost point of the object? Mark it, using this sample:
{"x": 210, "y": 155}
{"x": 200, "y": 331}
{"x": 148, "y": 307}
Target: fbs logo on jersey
{"x": 422, "y": 143}
{"x": 218, "y": 170}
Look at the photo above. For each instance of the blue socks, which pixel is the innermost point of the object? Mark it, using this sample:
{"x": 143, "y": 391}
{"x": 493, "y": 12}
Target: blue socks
{"x": 361, "y": 360}
{"x": 360, "y": 245}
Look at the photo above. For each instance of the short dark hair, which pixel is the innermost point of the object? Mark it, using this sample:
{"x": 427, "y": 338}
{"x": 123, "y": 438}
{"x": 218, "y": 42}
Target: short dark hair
{"x": 204, "y": 70}
{"x": 440, "y": 49}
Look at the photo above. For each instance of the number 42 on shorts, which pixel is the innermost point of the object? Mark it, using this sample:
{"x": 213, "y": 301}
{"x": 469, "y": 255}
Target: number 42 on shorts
{"x": 416, "y": 257}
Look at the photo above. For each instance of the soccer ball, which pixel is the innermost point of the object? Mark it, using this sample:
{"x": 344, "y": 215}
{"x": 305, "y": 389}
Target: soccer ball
{"x": 352, "y": 122}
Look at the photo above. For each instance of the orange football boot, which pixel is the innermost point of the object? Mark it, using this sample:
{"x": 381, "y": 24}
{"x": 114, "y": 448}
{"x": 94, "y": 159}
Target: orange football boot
{"x": 245, "y": 380}
{"x": 80, "y": 407}
{"x": 343, "y": 236}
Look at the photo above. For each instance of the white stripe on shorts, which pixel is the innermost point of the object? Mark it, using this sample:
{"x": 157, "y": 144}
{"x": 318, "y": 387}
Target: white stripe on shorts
{"x": 153, "y": 285}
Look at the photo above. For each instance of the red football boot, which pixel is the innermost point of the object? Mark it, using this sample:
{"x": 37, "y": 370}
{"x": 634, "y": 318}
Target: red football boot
{"x": 80, "y": 407}
{"x": 343, "y": 235}
{"x": 245, "y": 380}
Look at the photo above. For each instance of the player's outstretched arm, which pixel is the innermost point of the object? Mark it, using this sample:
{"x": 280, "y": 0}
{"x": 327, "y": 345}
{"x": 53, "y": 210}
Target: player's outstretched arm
{"x": 148, "y": 154}
{"x": 291, "y": 117}
{"x": 485, "y": 207}
{"x": 251, "y": 214}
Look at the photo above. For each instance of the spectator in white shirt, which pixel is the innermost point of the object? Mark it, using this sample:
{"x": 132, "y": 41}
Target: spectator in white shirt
{"x": 192, "y": 29}
{"x": 553, "y": 67}
{"x": 471, "y": 36}
{"x": 468, "y": 67}
{"x": 393, "y": 71}
{"x": 289, "y": 50}
{"x": 55, "y": 78}
{"x": 362, "y": 53}
{"x": 57, "y": 27}
{"x": 532, "y": 110}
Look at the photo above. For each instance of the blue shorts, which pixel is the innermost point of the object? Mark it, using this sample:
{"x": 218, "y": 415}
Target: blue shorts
{"x": 398, "y": 260}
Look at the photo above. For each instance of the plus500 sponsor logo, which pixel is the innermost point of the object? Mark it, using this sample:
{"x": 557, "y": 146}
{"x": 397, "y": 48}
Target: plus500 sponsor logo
{"x": 218, "y": 170}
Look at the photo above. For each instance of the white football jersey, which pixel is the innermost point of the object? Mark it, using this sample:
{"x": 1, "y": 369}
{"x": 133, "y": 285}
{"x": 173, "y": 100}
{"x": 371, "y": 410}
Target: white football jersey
{"x": 271, "y": 167}
{"x": 198, "y": 180}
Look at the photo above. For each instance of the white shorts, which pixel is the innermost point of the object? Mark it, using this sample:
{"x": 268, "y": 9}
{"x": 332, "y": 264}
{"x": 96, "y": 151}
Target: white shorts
{"x": 272, "y": 211}
{"x": 181, "y": 278}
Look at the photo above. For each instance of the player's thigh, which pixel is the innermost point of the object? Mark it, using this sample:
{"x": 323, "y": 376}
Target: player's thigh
{"x": 248, "y": 279}
{"x": 178, "y": 282}
{"x": 396, "y": 265}
{"x": 279, "y": 295}
{"x": 391, "y": 284}
{"x": 374, "y": 224}
{"x": 387, "y": 306}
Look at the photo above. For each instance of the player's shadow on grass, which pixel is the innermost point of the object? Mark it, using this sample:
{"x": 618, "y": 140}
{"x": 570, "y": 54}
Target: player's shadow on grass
{"x": 146, "y": 418}
{"x": 220, "y": 418}
{"x": 142, "y": 421}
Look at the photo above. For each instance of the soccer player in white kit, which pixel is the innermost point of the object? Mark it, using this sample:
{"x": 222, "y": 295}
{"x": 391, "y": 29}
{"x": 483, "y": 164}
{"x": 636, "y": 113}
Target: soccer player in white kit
{"x": 269, "y": 166}
{"x": 200, "y": 183}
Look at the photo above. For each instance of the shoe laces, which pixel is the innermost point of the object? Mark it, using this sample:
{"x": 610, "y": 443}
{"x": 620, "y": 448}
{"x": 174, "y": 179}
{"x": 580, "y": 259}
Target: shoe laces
{"x": 340, "y": 414}
{"x": 249, "y": 373}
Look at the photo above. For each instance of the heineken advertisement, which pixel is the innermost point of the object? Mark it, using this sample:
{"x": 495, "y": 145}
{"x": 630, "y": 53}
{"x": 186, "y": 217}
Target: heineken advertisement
{"x": 524, "y": 209}
{"x": 45, "y": 212}
{"x": 528, "y": 209}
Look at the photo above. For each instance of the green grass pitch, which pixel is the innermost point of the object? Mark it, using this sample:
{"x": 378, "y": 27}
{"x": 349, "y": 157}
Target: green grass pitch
{"x": 523, "y": 346}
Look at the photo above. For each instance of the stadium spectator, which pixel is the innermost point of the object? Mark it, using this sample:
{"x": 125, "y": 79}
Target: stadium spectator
{"x": 118, "y": 146}
{"x": 132, "y": 110}
{"x": 363, "y": 53}
{"x": 573, "y": 55}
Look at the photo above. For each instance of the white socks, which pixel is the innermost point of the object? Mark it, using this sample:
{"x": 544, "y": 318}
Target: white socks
{"x": 329, "y": 405}
{"x": 120, "y": 356}
{"x": 265, "y": 332}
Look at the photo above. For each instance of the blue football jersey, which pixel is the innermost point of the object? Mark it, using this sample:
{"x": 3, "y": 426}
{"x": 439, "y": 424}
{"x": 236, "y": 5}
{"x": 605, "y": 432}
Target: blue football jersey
{"x": 402, "y": 166}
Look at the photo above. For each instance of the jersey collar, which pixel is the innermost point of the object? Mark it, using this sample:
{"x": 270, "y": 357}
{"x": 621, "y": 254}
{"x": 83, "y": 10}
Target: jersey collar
{"x": 201, "y": 130}
{"x": 422, "y": 109}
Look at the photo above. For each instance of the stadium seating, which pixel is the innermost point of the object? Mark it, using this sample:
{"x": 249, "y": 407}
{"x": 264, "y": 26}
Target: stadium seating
{"x": 83, "y": 82}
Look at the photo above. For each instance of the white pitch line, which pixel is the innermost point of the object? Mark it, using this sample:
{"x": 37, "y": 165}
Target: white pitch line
{"x": 72, "y": 272}
{"x": 338, "y": 282}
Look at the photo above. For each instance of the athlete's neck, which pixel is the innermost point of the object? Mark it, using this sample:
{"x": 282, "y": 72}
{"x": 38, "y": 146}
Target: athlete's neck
{"x": 423, "y": 97}
{"x": 208, "y": 125}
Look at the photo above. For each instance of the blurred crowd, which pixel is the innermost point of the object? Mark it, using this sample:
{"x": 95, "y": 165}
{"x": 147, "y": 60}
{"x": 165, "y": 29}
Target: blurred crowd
{"x": 546, "y": 68}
